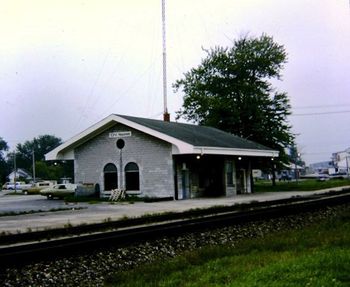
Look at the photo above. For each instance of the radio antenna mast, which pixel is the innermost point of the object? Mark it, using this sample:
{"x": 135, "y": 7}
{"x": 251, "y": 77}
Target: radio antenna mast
{"x": 166, "y": 115}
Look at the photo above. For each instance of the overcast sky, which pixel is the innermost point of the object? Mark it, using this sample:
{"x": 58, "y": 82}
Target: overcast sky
{"x": 66, "y": 64}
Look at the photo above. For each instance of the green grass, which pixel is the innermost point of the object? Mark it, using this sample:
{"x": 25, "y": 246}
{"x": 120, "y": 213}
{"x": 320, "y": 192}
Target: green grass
{"x": 301, "y": 185}
{"x": 318, "y": 255}
{"x": 19, "y": 192}
{"x": 15, "y": 213}
{"x": 88, "y": 199}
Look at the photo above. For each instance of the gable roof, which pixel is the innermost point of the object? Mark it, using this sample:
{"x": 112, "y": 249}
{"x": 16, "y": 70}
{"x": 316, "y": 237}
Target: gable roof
{"x": 197, "y": 135}
{"x": 20, "y": 172}
{"x": 185, "y": 138}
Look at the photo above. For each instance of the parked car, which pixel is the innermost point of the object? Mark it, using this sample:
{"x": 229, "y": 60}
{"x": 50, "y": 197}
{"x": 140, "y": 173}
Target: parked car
{"x": 323, "y": 177}
{"x": 59, "y": 190}
{"x": 318, "y": 176}
{"x": 339, "y": 175}
{"x": 285, "y": 175}
{"x": 35, "y": 188}
{"x": 20, "y": 185}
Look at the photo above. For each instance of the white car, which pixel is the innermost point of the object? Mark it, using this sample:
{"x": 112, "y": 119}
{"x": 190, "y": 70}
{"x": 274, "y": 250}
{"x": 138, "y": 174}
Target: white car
{"x": 19, "y": 185}
{"x": 59, "y": 190}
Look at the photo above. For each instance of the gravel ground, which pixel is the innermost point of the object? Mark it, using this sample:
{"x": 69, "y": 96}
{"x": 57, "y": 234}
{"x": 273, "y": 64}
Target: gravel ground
{"x": 92, "y": 269}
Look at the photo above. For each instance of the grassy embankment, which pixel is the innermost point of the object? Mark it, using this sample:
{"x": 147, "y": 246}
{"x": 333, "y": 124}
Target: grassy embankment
{"x": 318, "y": 255}
{"x": 301, "y": 185}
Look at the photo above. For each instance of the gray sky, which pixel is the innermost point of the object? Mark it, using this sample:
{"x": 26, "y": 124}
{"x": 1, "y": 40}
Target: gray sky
{"x": 66, "y": 64}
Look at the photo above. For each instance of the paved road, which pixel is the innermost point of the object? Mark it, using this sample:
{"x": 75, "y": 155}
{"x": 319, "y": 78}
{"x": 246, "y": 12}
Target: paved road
{"x": 25, "y": 203}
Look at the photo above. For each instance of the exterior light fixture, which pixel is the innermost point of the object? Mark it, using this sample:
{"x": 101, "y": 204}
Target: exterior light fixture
{"x": 198, "y": 157}
{"x": 239, "y": 158}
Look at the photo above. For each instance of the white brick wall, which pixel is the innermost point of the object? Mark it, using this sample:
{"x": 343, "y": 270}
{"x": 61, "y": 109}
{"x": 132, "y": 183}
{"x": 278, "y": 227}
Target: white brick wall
{"x": 152, "y": 155}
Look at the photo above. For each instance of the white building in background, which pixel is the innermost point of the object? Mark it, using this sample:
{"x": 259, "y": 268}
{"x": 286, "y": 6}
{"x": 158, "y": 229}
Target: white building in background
{"x": 341, "y": 160}
{"x": 20, "y": 174}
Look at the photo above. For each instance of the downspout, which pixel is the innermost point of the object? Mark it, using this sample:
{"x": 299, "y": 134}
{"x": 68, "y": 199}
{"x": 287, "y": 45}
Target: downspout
{"x": 176, "y": 188}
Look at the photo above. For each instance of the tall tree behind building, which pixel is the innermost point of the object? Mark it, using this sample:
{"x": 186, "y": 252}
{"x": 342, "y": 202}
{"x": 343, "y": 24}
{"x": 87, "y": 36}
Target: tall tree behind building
{"x": 4, "y": 169}
{"x": 40, "y": 145}
{"x": 231, "y": 90}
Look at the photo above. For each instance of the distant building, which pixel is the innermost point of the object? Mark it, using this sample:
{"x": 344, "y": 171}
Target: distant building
{"x": 291, "y": 171}
{"x": 20, "y": 173}
{"x": 324, "y": 167}
{"x": 156, "y": 158}
{"x": 341, "y": 160}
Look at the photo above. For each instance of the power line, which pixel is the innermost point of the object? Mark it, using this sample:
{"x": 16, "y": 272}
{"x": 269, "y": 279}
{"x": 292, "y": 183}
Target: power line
{"x": 322, "y": 106}
{"x": 320, "y": 113}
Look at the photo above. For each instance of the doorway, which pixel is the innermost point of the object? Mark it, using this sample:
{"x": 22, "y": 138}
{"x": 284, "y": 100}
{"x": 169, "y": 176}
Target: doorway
{"x": 241, "y": 181}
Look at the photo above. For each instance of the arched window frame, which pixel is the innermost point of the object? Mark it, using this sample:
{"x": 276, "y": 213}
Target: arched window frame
{"x": 132, "y": 176}
{"x": 110, "y": 176}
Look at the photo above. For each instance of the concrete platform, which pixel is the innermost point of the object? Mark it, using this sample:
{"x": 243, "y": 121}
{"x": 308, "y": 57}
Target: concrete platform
{"x": 97, "y": 213}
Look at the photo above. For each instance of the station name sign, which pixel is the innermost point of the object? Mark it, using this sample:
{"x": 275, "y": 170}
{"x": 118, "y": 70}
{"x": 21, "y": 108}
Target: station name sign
{"x": 119, "y": 134}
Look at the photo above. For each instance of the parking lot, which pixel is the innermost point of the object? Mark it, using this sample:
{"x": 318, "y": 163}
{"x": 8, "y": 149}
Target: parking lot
{"x": 27, "y": 203}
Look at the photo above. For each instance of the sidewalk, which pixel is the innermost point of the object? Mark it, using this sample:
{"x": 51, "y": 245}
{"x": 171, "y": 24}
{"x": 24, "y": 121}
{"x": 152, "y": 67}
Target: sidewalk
{"x": 98, "y": 213}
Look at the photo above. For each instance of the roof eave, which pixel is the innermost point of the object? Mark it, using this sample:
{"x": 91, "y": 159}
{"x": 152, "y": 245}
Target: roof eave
{"x": 66, "y": 150}
{"x": 236, "y": 151}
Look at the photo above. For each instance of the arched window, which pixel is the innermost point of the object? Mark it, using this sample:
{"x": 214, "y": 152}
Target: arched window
{"x": 132, "y": 176}
{"x": 110, "y": 176}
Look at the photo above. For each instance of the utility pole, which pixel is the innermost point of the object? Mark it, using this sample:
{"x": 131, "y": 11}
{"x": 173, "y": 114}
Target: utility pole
{"x": 15, "y": 170}
{"x": 297, "y": 156}
{"x": 33, "y": 155}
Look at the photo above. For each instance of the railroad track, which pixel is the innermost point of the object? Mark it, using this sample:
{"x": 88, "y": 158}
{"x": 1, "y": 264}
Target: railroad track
{"x": 24, "y": 248}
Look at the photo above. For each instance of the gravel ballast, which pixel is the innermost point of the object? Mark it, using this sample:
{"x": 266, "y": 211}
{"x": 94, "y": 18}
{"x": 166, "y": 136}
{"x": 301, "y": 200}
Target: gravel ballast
{"x": 92, "y": 269}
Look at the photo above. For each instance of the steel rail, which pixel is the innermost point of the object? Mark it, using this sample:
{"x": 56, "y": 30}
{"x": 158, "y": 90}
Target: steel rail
{"x": 22, "y": 253}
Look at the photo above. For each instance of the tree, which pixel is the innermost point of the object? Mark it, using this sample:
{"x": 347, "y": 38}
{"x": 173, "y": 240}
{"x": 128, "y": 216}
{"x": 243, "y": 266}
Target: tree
{"x": 3, "y": 164}
{"x": 231, "y": 90}
{"x": 295, "y": 156}
{"x": 3, "y": 148}
{"x": 45, "y": 170}
{"x": 40, "y": 145}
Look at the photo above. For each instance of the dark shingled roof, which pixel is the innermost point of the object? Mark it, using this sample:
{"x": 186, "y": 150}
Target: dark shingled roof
{"x": 197, "y": 135}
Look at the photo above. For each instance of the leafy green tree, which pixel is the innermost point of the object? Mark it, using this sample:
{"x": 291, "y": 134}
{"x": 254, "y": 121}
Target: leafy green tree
{"x": 4, "y": 169}
{"x": 3, "y": 148}
{"x": 40, "y": 145}
{"x": 53, "y": 171}
{"x": 231, "y": 90}
{"x": 295, "y": 156}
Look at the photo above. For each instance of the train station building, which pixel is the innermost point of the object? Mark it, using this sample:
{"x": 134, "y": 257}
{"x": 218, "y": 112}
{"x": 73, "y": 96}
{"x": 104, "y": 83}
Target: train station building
{"x": 154, "y": 158}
